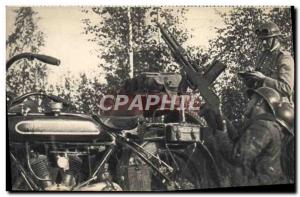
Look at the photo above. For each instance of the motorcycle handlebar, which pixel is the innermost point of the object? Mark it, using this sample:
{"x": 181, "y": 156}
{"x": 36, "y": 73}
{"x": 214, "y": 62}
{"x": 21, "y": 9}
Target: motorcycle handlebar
{"x": 47, "y": 59}
{"x": 43, "y": 58}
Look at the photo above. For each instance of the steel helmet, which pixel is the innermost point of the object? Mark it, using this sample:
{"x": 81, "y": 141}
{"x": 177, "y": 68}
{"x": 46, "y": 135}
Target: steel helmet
{"x": 267, "y": 30}
{"x": 270, "y": 95}
{"x": 284, "y": 113}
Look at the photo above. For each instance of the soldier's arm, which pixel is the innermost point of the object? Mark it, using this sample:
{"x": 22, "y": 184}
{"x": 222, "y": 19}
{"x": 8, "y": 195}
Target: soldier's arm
{"x": 285, "y": 82}
{"x": 248, "y": 146}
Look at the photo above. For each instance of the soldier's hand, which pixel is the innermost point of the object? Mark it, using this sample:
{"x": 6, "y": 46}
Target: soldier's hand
{"x": 257, "y": 75}
{"x": 252, "y": 79}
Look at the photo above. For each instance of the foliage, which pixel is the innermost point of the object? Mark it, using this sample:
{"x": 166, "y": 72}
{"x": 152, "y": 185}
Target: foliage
{"x": 111, "y": 34}
{"x": 67, "y": 91}
{"x": 83, "y": 92}
{"x": 234, "y": 45}
{"x": 150, "y": 54}
{"x": 90, "y": 92}
{"x": 25, "y": 76}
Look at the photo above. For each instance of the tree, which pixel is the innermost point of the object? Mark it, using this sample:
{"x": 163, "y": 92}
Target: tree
{"x": 111, "y": 35}
{"x": 116, "y": 27}
{"x": 236, "y": 46}
{"x": 67, "y": 91}
{"x": 150, "y": 53}
{"x": 89, "y": 94}
{"x": 25, "y": 76}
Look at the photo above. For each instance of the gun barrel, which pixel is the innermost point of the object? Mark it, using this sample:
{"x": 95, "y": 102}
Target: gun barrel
{"x": 191, "y": 70}
{"x": 168, "y": 38}
{"x": 214, "y": 71}
{"x": 176, "y": 49}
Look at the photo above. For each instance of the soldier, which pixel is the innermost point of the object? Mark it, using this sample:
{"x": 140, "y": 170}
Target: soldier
{"x": 275, "y": 66}
{"x": 285, "y": 117}
{"x": 258, "y": 147}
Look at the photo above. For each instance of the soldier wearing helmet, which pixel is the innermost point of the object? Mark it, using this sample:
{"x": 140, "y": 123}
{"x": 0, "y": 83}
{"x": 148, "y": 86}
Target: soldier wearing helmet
{"x": 285, "y": 117}
{"x": 275, "y": 66}
{"x": 257, "y": 149}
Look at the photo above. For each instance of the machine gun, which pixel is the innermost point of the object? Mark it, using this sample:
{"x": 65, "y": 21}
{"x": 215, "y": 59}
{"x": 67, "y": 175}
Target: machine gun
{"x": 191, "y": 73}
{"x": 195, "y": 78}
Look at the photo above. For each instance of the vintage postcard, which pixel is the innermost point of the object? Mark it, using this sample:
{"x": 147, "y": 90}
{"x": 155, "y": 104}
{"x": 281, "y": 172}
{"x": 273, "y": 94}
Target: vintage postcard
{"x": 152, "y": 98}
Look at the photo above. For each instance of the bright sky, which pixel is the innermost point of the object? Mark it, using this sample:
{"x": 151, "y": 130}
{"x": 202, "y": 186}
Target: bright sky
{"x": 64, "y": 39}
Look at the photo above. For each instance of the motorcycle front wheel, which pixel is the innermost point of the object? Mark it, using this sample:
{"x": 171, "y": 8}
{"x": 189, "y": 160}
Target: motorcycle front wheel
{"x": 188, "y": 174}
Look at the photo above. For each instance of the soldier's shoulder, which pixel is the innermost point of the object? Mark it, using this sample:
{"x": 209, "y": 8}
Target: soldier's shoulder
{"x": 264, "y": 122}
{"x": 285, "y": 57}
{"x": 284, "y": 53}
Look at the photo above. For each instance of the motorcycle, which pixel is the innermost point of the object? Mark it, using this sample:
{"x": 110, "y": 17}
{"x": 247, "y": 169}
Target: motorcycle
{"x": 52, "y": 147}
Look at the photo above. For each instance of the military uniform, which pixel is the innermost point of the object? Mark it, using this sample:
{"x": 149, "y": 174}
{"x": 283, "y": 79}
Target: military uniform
{"x": 257, "y": 150}
{"x": 278, "y": 67}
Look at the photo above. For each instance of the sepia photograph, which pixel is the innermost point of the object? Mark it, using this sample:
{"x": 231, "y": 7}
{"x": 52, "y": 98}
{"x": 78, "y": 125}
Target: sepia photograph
{"x": 150, "y": 98}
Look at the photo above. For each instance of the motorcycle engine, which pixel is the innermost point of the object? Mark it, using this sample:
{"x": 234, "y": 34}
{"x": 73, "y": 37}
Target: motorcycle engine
{"x": 69, "y": 168}
{"x": 65, "y": 170}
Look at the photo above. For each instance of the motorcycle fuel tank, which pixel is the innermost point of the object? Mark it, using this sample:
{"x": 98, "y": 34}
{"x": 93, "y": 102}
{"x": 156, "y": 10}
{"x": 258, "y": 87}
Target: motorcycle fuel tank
{"x": 62, "y": 127}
